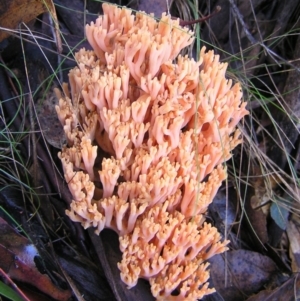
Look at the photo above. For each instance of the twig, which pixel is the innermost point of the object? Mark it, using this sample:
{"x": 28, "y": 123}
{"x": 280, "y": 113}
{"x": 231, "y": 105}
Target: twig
{"x": 192, "y": 22}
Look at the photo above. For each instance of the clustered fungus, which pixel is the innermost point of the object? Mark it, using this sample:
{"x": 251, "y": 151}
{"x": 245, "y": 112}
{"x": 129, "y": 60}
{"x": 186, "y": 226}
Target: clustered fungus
{"x": 167, "y": 124}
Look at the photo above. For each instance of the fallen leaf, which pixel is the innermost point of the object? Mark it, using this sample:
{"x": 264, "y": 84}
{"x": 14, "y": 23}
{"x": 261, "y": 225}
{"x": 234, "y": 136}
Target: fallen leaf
{"x": 257, "y": 221}
{"x": 288, "y": 291}
{"x": 279, "y": 215}
{"x": 13, "y": 12}
{"x": 293, "y": 233}
{"x": 246, "y": 273}
{"x": 17, "y": 256}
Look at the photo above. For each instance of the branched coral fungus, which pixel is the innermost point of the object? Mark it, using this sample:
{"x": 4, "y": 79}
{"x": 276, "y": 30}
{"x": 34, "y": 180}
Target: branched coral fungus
{"x": 167, "y": 124}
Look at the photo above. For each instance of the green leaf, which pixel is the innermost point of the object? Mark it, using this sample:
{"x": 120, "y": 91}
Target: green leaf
{"x": 9, "y": 293}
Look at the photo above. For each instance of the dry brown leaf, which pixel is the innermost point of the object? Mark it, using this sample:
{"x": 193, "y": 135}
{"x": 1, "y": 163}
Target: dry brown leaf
{"x": 257, "y": 221}
{"x": 294, "y": 251}
{"x": 14, "y": 12}
{"x": 289, "y": 291}
{"x": 17, "y": 261}
{"x": 246, "y": 273}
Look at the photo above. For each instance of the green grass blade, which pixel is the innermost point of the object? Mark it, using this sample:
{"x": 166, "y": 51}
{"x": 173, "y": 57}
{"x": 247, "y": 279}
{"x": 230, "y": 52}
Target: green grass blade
{"x": 9, "y": 293}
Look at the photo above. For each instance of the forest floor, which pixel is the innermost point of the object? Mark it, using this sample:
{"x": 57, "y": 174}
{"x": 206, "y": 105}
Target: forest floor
{"x": 257, "y": 209}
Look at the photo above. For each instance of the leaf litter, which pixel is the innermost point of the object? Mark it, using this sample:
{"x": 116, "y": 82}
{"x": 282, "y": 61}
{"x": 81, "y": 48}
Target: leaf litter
{"x": 264, "y": 260}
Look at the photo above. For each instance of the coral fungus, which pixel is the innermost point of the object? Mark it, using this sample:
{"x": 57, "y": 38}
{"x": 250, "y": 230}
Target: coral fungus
{"x": 167, "y": 124}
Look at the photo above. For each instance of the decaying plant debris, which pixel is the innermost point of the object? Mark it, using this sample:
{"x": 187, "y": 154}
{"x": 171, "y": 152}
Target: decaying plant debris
{"x": 257, "y": 209}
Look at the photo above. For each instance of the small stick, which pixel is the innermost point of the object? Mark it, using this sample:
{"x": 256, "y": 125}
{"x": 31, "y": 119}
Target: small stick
{"x": 192, "y": 22}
